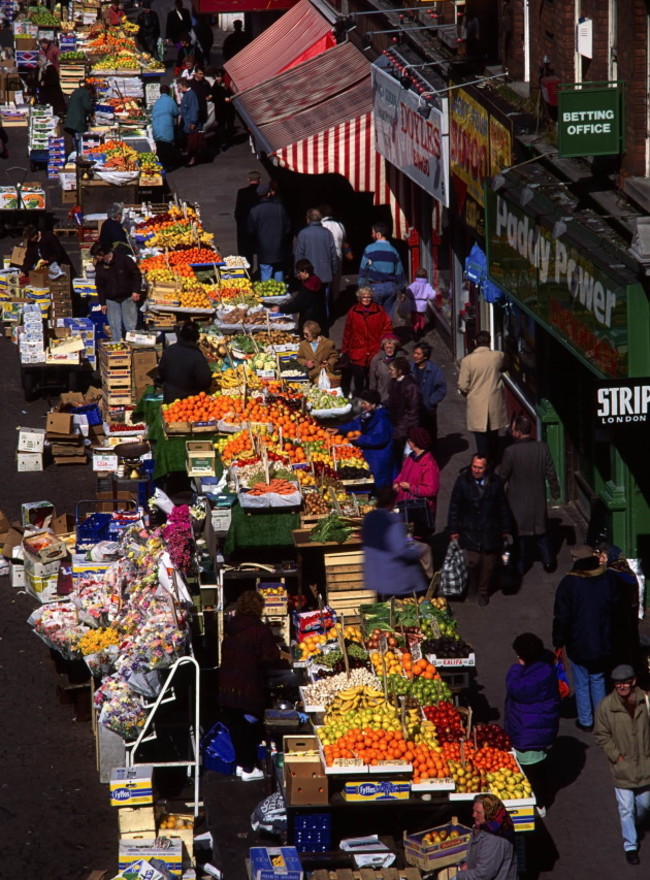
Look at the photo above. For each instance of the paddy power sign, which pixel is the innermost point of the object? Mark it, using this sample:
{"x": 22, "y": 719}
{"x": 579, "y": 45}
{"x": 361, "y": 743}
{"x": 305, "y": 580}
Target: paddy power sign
{"x": 575, "y": 300}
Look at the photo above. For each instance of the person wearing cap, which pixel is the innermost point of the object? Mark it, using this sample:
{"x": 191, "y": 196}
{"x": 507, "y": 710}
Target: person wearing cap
{"x": 246, "y": 200}
{"x": 433, "y": 387}
{"x": 586, "y": 603}
{"x": 417, "y": 484}
{"x": 379, "y": 374}
{"x": 113, "y": 234}
{"x": 269, "y": 227}
{"x": 622, "y": 730}
{"x": 375, "y": 439}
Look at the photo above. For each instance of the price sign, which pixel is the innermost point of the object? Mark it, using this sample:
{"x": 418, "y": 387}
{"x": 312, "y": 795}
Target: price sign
{"x": 383, "y": 643}
{"x": 435, "y": 628}
{"x": 416, "y": 651}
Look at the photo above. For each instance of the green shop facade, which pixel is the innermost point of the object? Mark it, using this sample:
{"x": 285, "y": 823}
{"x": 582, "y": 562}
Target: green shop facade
{"x": 576, "y": 318}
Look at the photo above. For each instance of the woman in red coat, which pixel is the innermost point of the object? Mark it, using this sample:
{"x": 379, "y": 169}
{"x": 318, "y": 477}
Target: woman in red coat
{"x": 365, "y": 325}
{"x": 419, "y": 478}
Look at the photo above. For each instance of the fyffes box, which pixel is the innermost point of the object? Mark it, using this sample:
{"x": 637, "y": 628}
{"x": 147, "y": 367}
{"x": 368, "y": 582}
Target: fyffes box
{"x": 130, "y": 786}
{"x": 381, "y": 790}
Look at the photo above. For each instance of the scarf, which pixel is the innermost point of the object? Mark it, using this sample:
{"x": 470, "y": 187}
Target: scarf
{"x": 501, "y": 826}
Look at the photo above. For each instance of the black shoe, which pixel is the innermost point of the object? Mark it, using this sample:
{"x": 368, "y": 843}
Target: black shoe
{"x": 483, "y": 601}
{"x": 586, "y": 728}
{"x": 632, "y": 857}
{"x": 550, "y": 567}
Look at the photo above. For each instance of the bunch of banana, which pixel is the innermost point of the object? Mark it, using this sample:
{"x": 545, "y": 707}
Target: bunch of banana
{"x": 413, "y": 722}
{"x": 429, "y": 736}
{"x": 355, "y": 698}
{"x": 235, "y": 378}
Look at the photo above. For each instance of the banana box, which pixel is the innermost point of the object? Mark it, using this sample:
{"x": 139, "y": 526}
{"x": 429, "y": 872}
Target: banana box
{"x": 131, "y": 786}
{"x": 377, "y": 790}
{"x": 159, "y": 850}
{"x": 275, "y": 863}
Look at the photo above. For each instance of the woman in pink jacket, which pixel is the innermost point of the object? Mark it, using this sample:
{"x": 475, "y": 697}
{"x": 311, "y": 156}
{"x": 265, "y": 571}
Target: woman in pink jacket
{"x": 419, "y": 479}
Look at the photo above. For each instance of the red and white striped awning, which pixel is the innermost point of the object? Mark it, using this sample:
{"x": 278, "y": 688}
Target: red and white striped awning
{"x": 348, "y": 149}
{"x": 300, "y": 33}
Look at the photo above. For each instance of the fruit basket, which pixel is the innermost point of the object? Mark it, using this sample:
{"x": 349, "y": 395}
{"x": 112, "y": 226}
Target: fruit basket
{"x": 438, "y": 847}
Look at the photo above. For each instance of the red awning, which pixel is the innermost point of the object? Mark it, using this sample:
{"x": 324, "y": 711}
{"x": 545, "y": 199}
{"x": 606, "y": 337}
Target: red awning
{"x": 241, "y": 6}
{"x": 301, "y": 33}
{"x": 316, "y": 118}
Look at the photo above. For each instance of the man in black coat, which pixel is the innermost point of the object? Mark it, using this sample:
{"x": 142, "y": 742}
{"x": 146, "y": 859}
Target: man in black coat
{"x": 183, "y": 368}
{"x": 270, "y": 227}
{"x": 236, "y": 41}
{"x": 586, "y": 605}
{"x": 247, "y": 198}
{"x": 479, "y": 518}
{"x": 179, "y": 22}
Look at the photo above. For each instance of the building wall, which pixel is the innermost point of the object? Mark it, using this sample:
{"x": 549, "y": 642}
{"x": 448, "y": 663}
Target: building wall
{"x": 633, "y": 69}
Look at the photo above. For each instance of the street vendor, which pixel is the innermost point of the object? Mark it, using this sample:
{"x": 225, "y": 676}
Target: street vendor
{"x": 113, "y": 234}
{"x": 183, "y": 369}
{"x": 376, "y": 437}
{"x": 119, "y": 289}
{"x": 45, "y": 246}
{"x": 49, "y": 52}
{"x": 114, "y": 15}
{"x": 80, "y": 108}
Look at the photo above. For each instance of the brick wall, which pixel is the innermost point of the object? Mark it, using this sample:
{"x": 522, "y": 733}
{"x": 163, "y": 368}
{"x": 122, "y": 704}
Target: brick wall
{"x": 597, "y": 68}
{"x": 633, "y": 69}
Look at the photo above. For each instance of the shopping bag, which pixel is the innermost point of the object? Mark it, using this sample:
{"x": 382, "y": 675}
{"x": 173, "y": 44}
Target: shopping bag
{"x": 453, "y": 576}
{"x": 18, "y": 255}
{"x": 560, "y": 672}
{"x": 324, "y": 383}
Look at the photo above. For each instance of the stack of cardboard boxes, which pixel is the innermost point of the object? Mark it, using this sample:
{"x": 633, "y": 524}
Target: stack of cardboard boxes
{"x": 145, "y": 355}
{"x": 67, "y": 444}
{"x": 115, "y": 372}
{"x": 31, "y": 339}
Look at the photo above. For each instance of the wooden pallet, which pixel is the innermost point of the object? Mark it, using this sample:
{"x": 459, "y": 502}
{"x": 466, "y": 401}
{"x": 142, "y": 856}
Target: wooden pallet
{"x": 367, "y": 874}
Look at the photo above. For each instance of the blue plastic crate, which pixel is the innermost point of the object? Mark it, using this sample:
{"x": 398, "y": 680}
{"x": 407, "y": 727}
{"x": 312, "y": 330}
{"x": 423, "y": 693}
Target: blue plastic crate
{"x": 218, "y": 751}
{"x": 312, "y": 832}
{"x": 92, "y": 530}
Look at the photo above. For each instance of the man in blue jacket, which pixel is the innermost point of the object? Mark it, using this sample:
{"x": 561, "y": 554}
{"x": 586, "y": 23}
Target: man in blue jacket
{"x": 376, "y": 440}
{"x": 432, "y": 385}
{"x": 381, "y": 269}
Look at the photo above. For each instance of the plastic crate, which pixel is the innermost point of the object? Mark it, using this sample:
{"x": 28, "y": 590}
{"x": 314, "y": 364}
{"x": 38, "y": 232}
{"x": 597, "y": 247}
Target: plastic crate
{"x": 91, "y": 411}
{"x": 218, "y": 751}
{"x": 93, "y": 530}
{"x": 312, "y": 832}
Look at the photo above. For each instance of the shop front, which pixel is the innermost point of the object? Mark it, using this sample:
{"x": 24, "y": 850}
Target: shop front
{"x": 576, "y": 314}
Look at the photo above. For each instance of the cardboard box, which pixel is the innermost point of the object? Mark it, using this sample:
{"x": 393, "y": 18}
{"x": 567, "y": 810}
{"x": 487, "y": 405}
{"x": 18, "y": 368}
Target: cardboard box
{"x": 379, "y": 790}
{"x": 131, "y": 786}
{"x": 5, "y": 527}
{"x": 29, "y": 461}
{"x": 35, "y": 514}
{"x": 141, "y": 869}
{"x": 275, "y": 863}
{"x": 305, "y": 782}
{"x": 167, "y": 851}
{"x": 31, "y": 439}
{"x": 59, "y": 423}
{"x": 83, "y": 568}
{"x": 39, "y": 278}
{"x": 138, "y": 821}
{"x": 200, "y": 458}
{"x": 44, "y": 547}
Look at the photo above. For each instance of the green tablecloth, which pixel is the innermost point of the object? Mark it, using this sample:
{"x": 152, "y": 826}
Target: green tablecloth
{"x": 169, "y": 452}
{"x": 260, "y": 530}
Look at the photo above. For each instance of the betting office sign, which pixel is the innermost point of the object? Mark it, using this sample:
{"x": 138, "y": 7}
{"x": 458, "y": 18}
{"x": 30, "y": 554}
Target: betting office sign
{"x": 589, "y": 120}
{"x": 623, "y": 403}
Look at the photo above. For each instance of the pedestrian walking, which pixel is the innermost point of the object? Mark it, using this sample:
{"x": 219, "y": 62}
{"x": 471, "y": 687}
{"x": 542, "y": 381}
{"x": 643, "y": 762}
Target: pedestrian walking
{"x": 316, "y": 244}
{"x": 224, "y": 112}
{"x": 381, "y": 269}
{"x": 480, "y": 382}
{"x": 149, "y": 28}
{"x": 420, "y": 294}
{"x": 179, "y": 22}
{"x": 164, "y": 116}
{"x": 379, "y": 373}
{"x": 626, "y": 647}
{"x": 404, "y": 405}
{"x": 586, "y": 602}
{"x": 269, "y": 227}
{"x": 532, "y": 711}
{"x": 480, "y": 520}
{"x": 526, "y": 468}
{"x": 235, "y": 41}
{"x": 623, "y": 732}
{"x": 203, "y": 91}
{"x": 432, "y": 384}
{"x": 204, "y": 36}
{"x": 343, "y": 249}
{"x": 365, "y": 325}
{"x": 247, "y": 198}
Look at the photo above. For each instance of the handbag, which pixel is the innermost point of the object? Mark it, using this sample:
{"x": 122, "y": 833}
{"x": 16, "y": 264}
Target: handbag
{"x": 418, "y": 512}
{"x": 454, "y": 573}
{"x": 562, "y": 678}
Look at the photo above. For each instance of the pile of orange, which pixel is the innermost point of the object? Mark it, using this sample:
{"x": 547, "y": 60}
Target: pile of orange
{"x": 451, "y": 751}
{"x": 488, "y": 758}
{"x": 348, "y": 453}
{"x": 428, "y": 764}
{"x": 198, "y": 408}
{"x": 370, "y": 746}
{"x": 420, "y": 668}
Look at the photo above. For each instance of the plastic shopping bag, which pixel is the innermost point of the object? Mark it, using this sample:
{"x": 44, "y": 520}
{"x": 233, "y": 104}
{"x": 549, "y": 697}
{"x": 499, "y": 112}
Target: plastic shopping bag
{"x": 324, "y": 383}
{"x": 453, "y": 577}
{"x": 560, "y": 671}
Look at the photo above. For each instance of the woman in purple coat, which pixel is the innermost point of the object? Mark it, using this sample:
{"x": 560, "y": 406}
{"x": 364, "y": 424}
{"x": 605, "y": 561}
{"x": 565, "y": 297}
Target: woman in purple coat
{"x": 532, "y": 713}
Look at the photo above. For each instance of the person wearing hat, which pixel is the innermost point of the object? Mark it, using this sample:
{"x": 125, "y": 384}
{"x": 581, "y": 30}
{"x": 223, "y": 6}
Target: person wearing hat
{"x": 246, "y": 200}
{"x": 622, "y": 730}
{"x": 375, "y": 439}
{"x": 586, "y": 603}
{"x": 417, "y": 484}
{"x": 433, "y": 387}
{"x": 379, "y": 373}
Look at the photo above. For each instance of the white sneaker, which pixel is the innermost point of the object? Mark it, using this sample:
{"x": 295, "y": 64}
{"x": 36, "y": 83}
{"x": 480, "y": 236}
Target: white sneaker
{"x": 211, "y": 871}
{"x": 239, "y": 771}
{"x": 253, "y": 775}
{"x": 541, "y": 812}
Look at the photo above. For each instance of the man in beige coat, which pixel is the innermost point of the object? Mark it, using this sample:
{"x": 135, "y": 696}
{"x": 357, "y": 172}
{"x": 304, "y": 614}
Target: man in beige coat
{"x": 480, "y": 381}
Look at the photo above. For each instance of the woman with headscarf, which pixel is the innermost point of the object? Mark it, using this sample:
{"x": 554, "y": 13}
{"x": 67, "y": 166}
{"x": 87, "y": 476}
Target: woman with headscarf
{"x": 366, "y": 323}
{"x": 491, "y": 854}
{"x": 417, "y": 484}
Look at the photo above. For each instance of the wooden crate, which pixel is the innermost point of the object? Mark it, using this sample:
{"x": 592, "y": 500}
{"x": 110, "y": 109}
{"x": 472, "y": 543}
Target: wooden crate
{"x": 367, "y": 874}
{"x": 343, "y": 571}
